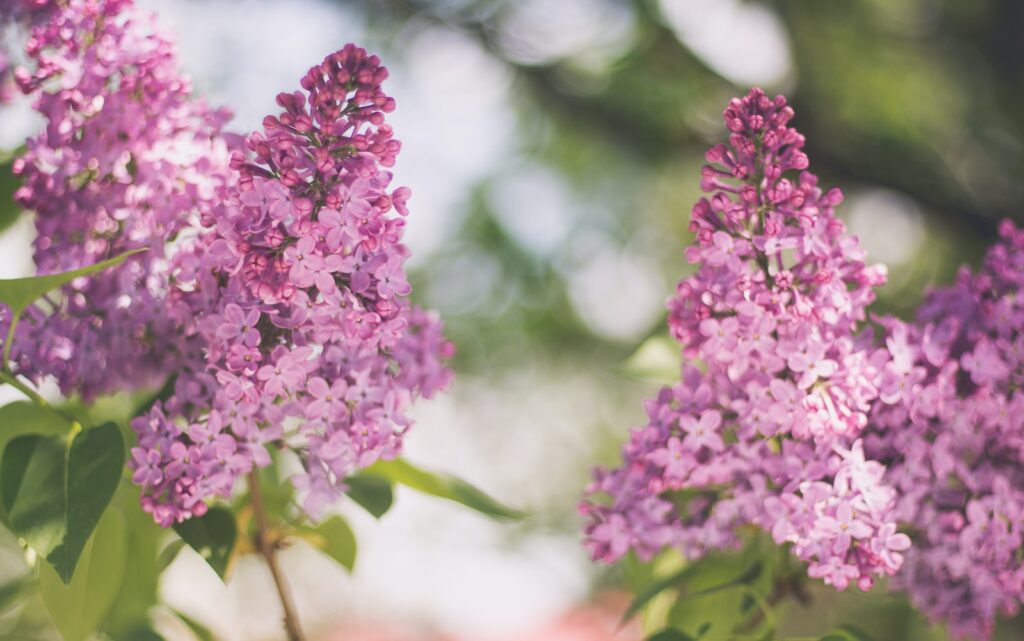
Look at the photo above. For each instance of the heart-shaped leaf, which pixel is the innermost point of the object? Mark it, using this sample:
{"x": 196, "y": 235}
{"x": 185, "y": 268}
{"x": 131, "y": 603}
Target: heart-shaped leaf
{"x": 55, "y": 494}
{"x": 23, "y": 417}
{"x": 77, "y": 608}
{"x": 213, "y": 535}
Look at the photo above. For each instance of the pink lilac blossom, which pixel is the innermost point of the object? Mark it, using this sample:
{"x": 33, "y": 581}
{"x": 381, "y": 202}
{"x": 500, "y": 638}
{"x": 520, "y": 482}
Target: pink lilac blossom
{"x": 951, "y": 432}
{"x": 777, "y": 383}
{"x": 128, "y": 159}
{"x": 297, "y": 292}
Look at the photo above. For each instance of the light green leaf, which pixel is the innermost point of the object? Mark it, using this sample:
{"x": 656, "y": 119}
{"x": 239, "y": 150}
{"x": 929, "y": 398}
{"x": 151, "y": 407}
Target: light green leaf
{"x": 55, "y": 495}
{"x": 335, "y": 538}
{"x": 373, "y": 493}
{"x": 78, "y": 607}
{"x": 213, "y": 535}
{"x": 659, "y": 586}
{"x": 128, "y": 618}
{"x": 442, "y": 486}
{"x": 12, "y": 592}
{"x": 19, "y": 293}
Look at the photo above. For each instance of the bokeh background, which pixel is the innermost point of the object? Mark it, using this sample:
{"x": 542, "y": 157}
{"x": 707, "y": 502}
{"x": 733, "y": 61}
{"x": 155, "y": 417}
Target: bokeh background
{"x": 554, "y": 149}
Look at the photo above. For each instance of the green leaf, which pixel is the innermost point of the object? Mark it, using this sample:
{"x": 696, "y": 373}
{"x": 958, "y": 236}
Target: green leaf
{"x": 441, "y": 485}
{"x": 78, "y": 607}
{"x": 9, "y": 210}
{"x": 128, "y": 618}
{"x": 201, "y": 631}
{"x": 19, "y": 293}
{"x": 213, "y": 535}
{"x": 169, "y": 553}
{"x": 373, "y": 493}
{"x": 658, "y": 587}
{"x": 856, "y": 633}
{"x": 142, "y": 633}
{"x": 24, "y": 417}
{"x": 335, "y": 538}
{"x": 670, "y": 634}
{"x": 847, "y": 632}
{"x": 55, "y": 495}
{"x": 12, "y": 592}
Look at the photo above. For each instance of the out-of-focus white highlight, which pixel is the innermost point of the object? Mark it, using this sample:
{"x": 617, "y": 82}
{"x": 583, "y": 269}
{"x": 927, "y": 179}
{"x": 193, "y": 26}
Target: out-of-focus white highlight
{"x": 455, "y": 124}
{"x": 618, "y": 294}
{"x": 744, "y": 41}
{"x": 890, "y": 225}
{"x": 541, "y": 31}
{"x": 535, "y": 206}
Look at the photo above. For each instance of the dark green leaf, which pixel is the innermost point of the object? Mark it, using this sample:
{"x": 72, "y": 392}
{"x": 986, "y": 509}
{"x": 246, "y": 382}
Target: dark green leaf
{"x": 9, "y": 210}
{"x": 441, "y": 485}
{"x": 213, "y": 536}
{"x": 55, "y": 496}
{"x": 78, "y": 607}
{"x": 19, "y": 293}
{"x": 702, "y": 629}
{"x": 335, "y": 538}
{"x": 24, "y": 417}
{"x": 93, "y": 471}
{"x": 373, "y": 493}
{"x": 670, "y": 634}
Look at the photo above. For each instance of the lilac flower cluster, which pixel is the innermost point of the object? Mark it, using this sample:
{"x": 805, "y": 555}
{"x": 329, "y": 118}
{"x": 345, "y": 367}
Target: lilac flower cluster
{"x": 298, "y": 293}
{"x": 128, "y": 159}
{"x": 952, "y": 434}
{"x": 778, "y": 382}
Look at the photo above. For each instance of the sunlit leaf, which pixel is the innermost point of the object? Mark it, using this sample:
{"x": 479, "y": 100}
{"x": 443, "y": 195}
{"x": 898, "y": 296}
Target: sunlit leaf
{"x": 335, "y": 538}
{"x": 19, "y": 293}
{"x": 213, "y": 535}
{"x": 77, "y": 608}
{"x": 55, "y": 495}
{"x": 129, "y": 616}
{"x": 442, "y": 486}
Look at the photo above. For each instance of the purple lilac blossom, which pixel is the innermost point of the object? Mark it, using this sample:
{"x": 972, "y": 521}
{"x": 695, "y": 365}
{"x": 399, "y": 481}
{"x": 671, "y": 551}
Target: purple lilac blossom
{"x": 778, "y": 378}
{"x": 950, "y": 429}
{"x": 128, "y": 159}
{"x": 298, "y": 294}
